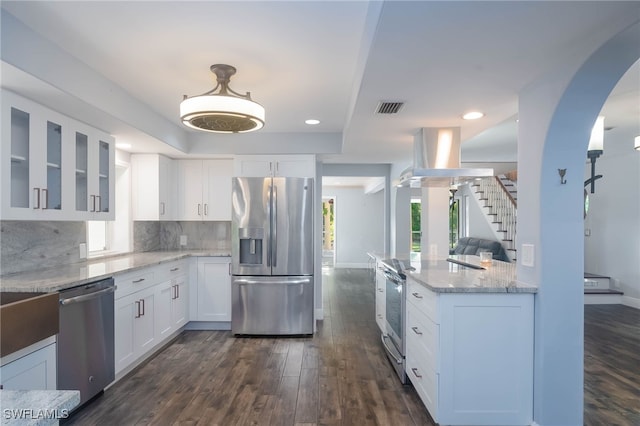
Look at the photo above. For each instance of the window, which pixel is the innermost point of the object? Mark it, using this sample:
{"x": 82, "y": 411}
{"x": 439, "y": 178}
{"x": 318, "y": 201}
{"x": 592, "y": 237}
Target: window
{"x": 111, "y": 237}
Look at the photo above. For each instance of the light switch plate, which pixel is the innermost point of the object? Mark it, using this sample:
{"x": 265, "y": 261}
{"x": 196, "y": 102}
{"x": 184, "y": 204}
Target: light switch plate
{"x": 528, "y": 255}
{"x": 183, "y": 240}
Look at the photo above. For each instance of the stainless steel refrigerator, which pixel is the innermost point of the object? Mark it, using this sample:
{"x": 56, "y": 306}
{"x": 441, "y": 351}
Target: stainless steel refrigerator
{"x": 272, "y": 256}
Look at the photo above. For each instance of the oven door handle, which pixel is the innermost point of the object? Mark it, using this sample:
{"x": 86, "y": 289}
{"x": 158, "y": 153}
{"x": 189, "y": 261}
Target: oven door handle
{"x": 391, "y": 351}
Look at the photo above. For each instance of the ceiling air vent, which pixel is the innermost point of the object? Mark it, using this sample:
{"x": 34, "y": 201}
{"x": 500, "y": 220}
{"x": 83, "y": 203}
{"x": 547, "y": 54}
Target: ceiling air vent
{"x": 385, "y": 107}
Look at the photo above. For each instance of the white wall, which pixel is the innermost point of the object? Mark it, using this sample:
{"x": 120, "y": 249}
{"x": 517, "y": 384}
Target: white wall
{"x": 359, "y": 224}
{"x": 478, "y": 225}
{"x": 613, "y": 246}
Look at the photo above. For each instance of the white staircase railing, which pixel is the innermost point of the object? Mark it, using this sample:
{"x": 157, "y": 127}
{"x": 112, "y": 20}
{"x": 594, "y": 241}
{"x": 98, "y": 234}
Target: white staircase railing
{"x": 497, "y": 195}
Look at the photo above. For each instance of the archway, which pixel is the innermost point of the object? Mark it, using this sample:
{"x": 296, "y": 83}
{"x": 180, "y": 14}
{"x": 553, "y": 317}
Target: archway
{"x": 556, "y": 116}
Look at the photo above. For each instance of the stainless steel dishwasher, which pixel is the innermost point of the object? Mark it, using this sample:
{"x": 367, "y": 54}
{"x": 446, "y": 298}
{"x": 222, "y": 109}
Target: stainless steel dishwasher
{"x": 85, "y": 347}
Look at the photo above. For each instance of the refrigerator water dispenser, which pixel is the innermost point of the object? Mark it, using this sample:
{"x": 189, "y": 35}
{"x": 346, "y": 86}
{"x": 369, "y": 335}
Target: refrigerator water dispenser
{"x": 251, "y": 245}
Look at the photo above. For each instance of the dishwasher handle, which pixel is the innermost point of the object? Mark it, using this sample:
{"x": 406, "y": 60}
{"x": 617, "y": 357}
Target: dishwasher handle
{"x": 89, "y": 296}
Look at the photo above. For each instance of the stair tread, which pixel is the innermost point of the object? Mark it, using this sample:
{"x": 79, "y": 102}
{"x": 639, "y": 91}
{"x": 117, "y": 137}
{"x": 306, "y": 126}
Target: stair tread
{"x": 601, "y": 291}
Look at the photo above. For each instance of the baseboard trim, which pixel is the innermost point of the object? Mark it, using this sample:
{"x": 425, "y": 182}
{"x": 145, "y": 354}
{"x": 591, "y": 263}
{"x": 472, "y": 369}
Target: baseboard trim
{"x": 208, "y": 325}
{"x": 631, "y": 301}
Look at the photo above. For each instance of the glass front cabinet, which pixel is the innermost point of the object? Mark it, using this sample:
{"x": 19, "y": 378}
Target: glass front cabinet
{"x": 53, "y": 167}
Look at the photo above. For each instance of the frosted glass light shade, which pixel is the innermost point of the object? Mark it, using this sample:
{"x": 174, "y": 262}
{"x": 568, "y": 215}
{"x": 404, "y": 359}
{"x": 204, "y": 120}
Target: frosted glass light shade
{"x": 636, "y": 144}
{"x": 596, "y": 142}
{"x": 222, "y": 114}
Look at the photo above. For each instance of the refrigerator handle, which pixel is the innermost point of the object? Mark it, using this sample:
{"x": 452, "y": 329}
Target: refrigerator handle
{"x": 274, "y": 228}
{"x": 270, "y": 214}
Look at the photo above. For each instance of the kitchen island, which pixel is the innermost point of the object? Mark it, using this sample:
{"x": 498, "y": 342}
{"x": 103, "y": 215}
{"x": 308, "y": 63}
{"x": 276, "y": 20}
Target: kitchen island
{"x": 469, "y": 341}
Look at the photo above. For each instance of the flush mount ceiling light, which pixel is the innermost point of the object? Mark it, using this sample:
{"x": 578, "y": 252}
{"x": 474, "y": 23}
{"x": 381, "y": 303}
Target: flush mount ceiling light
{"x": 226, "y": 111}
{"x": 312, "y": 121}
{"x": 473, "y": 115}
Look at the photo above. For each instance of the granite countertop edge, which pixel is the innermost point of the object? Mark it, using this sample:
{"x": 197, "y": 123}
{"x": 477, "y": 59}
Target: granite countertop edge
{"x": 71, "y": 275}
{"x": 514, "y": 288}
{"x": 37, "y": 406}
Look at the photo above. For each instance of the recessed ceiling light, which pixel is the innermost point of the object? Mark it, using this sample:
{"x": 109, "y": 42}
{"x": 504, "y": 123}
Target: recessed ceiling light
{"x": 312, "y": 121}
{"x": 123, "y": 145}
{"x": 473, "y": 115}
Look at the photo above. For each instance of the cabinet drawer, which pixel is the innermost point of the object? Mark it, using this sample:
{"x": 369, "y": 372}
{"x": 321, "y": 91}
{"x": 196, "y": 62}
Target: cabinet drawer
{"x": 424, "y": 335}
{"x": 424, "y": 299}
{"x": 168, "y": 271}
{"x": 134, "y": 281}
{"x": 424, "y": 379}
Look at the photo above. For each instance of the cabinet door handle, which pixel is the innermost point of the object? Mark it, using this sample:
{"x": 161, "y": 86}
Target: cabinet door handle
{"x": 417, "y": 295}
{"x": 177, "y": 291}
{"x": 229, "y": 268}
{"x": 93, "y": 203}
{"x": 162, "y": 208}
{"x": 45, "y": 193}
{"x": 277, "y": 166}
{"x": 142, "y": 301}
{"x": 99, "y": 197}
{"x": 137, "y": 309}
{"x": 415, "y": 372}
{"x": 415, "y": 330}
{"x": 199, "y": 206}
{"x": 138, "y": 281}
{"x": 206, "y": 209}
{"x": 174, "y": 269}
{"x": 36, "y": 198}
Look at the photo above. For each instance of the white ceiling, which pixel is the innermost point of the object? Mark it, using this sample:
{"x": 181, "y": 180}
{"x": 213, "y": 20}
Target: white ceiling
{"x": 334, "y": 61}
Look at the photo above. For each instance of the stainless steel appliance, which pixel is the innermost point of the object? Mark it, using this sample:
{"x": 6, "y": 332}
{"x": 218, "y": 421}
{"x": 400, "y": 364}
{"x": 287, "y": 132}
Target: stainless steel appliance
{"x": 85, "y": 348}
{"x": 272, "y": 256}
{"x": 393, "y": 340}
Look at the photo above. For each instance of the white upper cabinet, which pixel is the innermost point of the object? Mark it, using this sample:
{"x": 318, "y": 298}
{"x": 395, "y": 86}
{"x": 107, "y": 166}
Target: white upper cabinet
{"x": 204, "y": 190}
{"x": 154, "y": 187}
{"x": 275, "y": 165}
{"x": 45, "y": 173}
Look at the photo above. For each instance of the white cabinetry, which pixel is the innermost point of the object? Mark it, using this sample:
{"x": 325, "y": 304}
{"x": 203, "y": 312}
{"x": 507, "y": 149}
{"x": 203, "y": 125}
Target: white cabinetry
{"x": 470, "y": 355}
{"x": 53, "y": 167}
{"x": 213, "y": 297}
{"x": 154, "y": 187}
{"x": 151, "y": 305}
{"x": 279, "y": 165}
{"x": 381, "y": 296}
{"x": 204, "y": 190}
{"x": 33, "y": 369}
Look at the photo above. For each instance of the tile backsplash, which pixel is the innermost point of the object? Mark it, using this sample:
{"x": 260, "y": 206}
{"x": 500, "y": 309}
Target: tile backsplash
{"x": 31, "y": 245}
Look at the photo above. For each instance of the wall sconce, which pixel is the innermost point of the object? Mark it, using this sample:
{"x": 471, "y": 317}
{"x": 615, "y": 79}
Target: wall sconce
{"x": 596, "y": 148}
{"x": 636, "y": 145}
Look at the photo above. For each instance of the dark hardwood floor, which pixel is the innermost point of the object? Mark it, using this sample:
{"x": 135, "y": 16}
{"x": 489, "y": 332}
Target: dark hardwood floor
{"x": 611, "y": 365}
{"x": 340, "y": 376}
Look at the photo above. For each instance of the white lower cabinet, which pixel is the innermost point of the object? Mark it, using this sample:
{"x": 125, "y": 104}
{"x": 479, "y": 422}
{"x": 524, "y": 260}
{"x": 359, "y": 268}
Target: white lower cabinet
{"x": 470, "y": 355}
{"x": 35, "y": 370}
{"x": 213, "y": 298}
{"x": 135, "y": 327}
{"x": 381, "y": 303}
{"x": 151, "y": 305}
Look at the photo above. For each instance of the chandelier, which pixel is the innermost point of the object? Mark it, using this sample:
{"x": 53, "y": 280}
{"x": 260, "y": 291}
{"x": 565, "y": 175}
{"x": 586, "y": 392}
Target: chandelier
{"x": 226, "y": 111}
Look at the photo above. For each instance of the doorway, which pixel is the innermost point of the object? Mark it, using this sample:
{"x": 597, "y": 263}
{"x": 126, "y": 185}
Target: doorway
{"x": 328, "y": 232}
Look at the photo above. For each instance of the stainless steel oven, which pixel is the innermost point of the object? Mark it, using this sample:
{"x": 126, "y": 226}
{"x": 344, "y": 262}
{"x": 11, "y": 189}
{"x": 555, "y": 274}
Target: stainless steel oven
{"x": 393, "y": 340}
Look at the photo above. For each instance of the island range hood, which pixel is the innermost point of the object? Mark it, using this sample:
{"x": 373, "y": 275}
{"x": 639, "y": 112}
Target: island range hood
{"x": 436, "y": 160}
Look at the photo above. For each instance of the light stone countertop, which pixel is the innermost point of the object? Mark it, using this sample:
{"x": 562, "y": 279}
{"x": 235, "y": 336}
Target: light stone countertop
{"x": 71, "y": 275}
{"x": 37, "y": 407}
{"x": 442, "y": 276}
